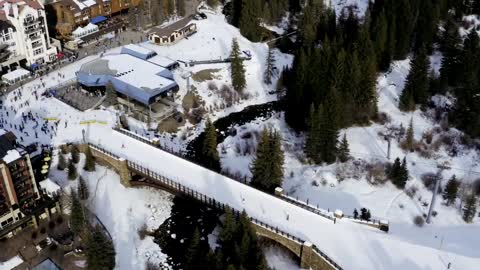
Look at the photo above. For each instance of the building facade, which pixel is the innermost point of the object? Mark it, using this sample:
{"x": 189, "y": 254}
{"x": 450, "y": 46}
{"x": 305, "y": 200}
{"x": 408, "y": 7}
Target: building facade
{"x": 173, "y": 33}
{"x": 23, "y": 28}
{"x": 18, "y": 188}
{"x": 71, "y": 14}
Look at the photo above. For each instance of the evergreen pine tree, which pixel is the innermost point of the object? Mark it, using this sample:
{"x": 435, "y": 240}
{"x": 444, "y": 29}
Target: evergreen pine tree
{"x": 312, "y": 141}
{"x": 343, "y": 149}
{"x": 403, "y": 176}
{"x": 77, "y": 215}
{"x": 470, "y": 208}
{"x": 100, "y": 251}
{"x": 89, "y": 161}
{"x": 328, "y": 135}
{"x": 365, "y": 96}
{"x": 405, "y": 23}
{"x": 450, "y": 69}
{"x": 450, "y": 191}
{"x": 395, "y": 171}
{"x": 237, "y": 68}
{"x": 409, "y": 140}
{"x": 269, "y": 72}
{"x": 267, "y": 166}
{"x": 416, "y": 85}
{"x": 226, "y": 237}
{"x": 72, "y": 170}
{"x": 250, "y": 20}
{"x": 82, "y": 189}
{"x": 62, "y": 164}
{"x": 210, "y": 158}
{"x": 110, "y": 93}
{"x": 192, "y": 256}
{"x": 75, "y": 154}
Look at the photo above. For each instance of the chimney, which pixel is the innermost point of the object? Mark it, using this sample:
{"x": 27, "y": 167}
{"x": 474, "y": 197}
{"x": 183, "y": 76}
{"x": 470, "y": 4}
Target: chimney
{"x": 15, "y": 10}
{"x": 6, "y": 8}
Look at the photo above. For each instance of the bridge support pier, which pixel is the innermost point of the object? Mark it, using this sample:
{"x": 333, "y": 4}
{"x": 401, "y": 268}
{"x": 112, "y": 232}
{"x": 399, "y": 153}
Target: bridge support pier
{"x": 306, "y": 255}
{"x": 119, "y": 165}
{"x": 125, "y": 176}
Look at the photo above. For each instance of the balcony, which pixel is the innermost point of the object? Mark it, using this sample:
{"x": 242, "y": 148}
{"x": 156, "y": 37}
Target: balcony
{"x": 33, "y": 30}
{"x": 36, "y": 45}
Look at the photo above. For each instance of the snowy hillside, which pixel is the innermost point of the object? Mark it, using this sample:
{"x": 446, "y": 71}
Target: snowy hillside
{"x": 337, "y": 186}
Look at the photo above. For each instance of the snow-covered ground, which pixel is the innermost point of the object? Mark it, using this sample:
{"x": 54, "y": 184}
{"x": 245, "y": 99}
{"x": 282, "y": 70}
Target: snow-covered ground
{"x": 358, "y": 6}
{"x": 124, "y": 212}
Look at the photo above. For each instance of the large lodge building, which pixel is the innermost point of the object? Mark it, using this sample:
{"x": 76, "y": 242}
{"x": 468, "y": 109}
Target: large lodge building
{"x": 71, "y": 14}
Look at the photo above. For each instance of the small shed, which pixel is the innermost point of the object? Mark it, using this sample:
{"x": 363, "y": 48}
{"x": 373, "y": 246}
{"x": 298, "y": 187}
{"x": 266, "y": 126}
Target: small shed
{"x": 16, "y": 76}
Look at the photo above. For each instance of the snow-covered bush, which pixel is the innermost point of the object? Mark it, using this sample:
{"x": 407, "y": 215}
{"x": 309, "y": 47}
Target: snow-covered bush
{"x": 411, "y": 191}
{"x": 419, "y": 221}
{"x": 376, "y": 173}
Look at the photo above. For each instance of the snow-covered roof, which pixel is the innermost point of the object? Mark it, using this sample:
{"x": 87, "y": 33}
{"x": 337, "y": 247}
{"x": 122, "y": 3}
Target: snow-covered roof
{"x": 18, "y": 73}
{"x": 49, "y": 186}
{"x": 162, "y": 61}
{"x": 11, "y": 156}
{"x": 138, "y": 51}
{"x": 139, "y": 79}
{"x": 82, "y": 4}
{"x": 11, "y": 263}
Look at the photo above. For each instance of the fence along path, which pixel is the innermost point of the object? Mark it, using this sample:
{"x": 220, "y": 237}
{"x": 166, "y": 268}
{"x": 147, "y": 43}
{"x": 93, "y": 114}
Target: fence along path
{"x": 181, "y": 189}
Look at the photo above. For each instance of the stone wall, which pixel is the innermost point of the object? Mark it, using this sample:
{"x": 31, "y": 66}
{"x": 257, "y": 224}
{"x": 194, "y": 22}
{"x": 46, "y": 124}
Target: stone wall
{"x": 119, "y": 165}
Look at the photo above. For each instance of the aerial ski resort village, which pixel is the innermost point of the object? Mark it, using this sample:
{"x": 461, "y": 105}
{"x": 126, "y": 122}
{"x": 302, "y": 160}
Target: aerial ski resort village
{"x": 240, "y": 134}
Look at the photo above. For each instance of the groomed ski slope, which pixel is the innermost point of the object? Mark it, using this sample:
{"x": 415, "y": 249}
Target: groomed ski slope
{"x": 352, "y": 246}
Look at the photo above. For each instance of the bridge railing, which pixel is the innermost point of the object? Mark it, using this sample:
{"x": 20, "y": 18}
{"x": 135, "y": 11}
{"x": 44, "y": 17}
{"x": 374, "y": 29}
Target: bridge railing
{"x": 326, "y": 258}
{"x": 170, "y": 151}
{"x": 166, "y": 181}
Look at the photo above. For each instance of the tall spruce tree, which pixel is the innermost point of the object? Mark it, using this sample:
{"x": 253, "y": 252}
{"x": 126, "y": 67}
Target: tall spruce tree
{"x": 210, "y": 158}
{"x": 75, "y": 154}
{"x": 110, "y": 93}
{"x": 398, "y": 173}
{"x": 100, "y": 251}
{"x": 343, "y": 149}
{"x": 450, "y": 69}
{"x": 328, "y": 134}
{"x": 77, "y": 214}
{"x": 82, "y": 189}
{"x": 470, "y": 208}
{"x": 409, "y": 140}
{"x": 312, "y": 142}
{"x": 250, "y": 20}
{"x": 267, "y": 166}
{"x": 193, "y": 256}
{"x": 451, "y": 190}
{"x": 89, "y": 161}
{"x": 72, "y": 170}
{"x": 62, "y": 164}
{"x": 365, "y": 96}
{"x": 269, "y": 67}
{"x": 237, "y": 68}
{"x": 416, "y": 85}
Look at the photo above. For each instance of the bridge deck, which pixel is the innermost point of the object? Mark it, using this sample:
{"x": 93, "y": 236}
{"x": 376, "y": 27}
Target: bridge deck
{"x": 350, "y": 245}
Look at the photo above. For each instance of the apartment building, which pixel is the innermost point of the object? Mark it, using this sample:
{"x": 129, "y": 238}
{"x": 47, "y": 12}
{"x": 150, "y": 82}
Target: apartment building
{"x": 71, "y": 14}
{"x": 18, "y": 188}
{"x": 23, "y": 28}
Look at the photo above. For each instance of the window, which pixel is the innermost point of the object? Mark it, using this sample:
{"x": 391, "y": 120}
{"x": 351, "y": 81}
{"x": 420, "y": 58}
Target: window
{"x": 37, "y": 51}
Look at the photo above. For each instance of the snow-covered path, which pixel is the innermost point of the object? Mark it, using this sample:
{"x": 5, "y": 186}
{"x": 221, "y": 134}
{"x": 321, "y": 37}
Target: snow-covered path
{"x": 350, "y": 245}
